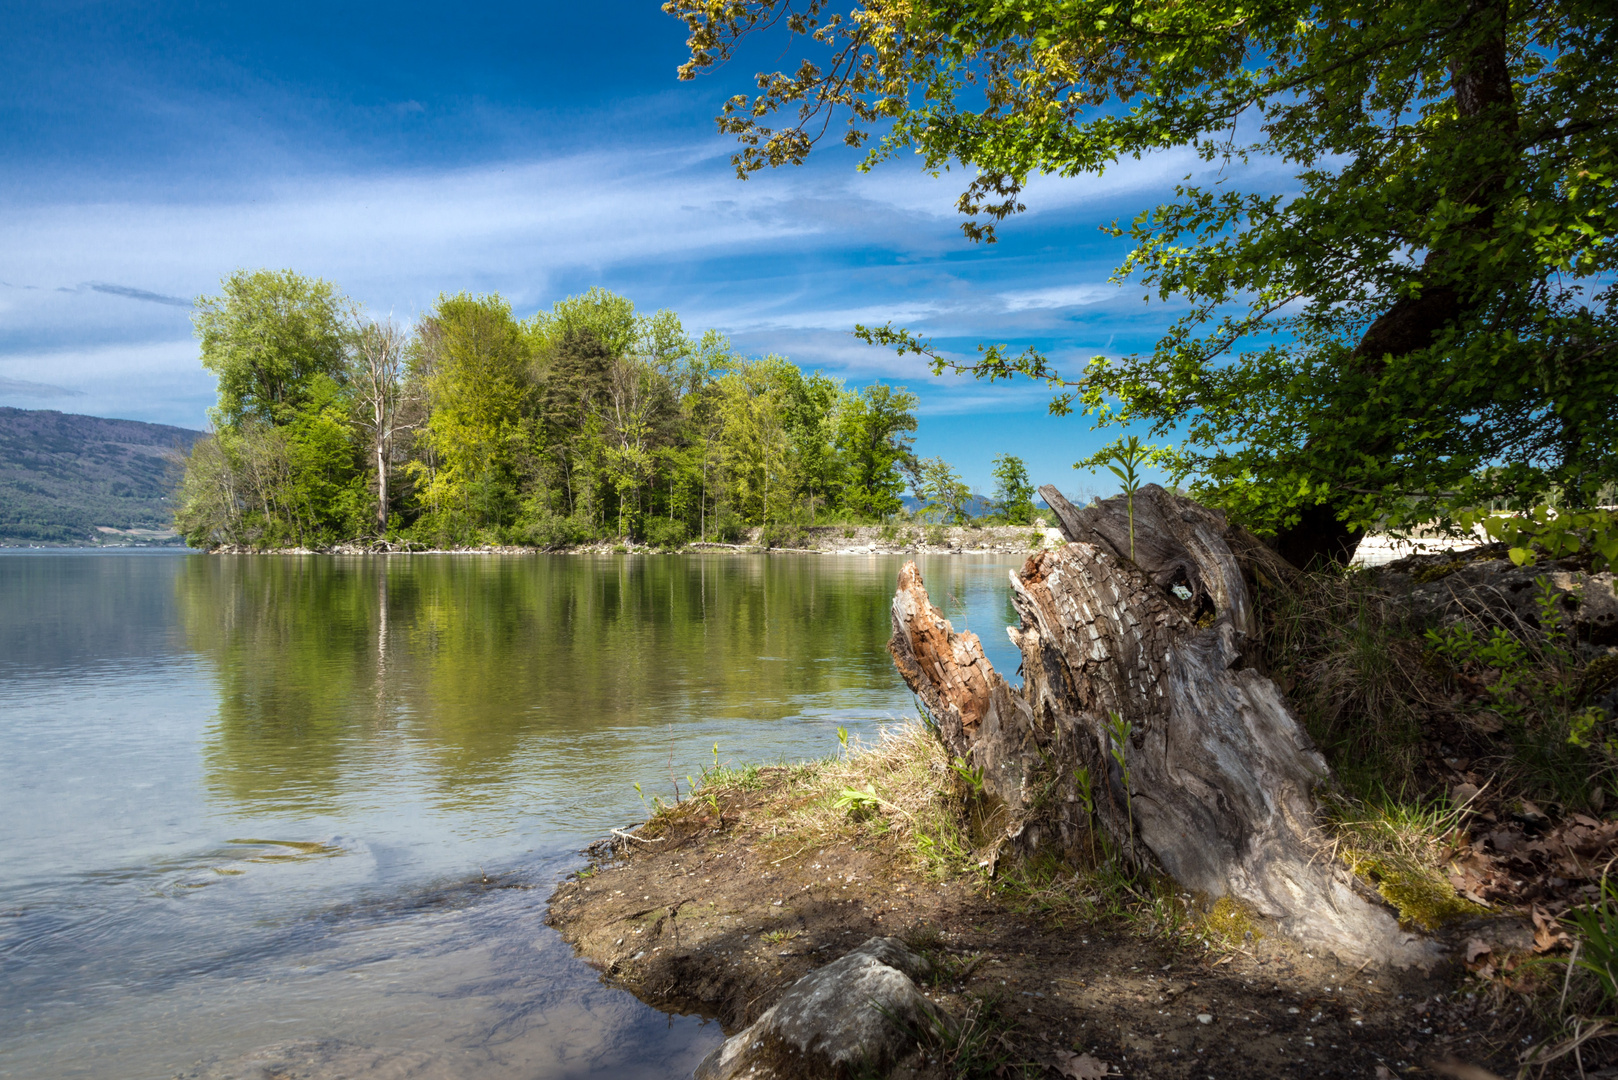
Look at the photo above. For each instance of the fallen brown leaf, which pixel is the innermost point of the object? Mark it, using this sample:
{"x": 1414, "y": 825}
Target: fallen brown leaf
{"x": 1547, "y": 931}
{"x": 1460, "y": 1070}
{"x": 1081, "y": 1066}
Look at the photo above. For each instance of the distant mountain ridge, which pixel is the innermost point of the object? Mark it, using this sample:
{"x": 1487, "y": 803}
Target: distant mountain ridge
{"x": 86, "y": 480}
{"x": 976, "y": 506}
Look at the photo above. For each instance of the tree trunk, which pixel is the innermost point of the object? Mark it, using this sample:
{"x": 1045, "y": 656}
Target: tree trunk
{"x": 1154, "y": 662}
{"x": 1318, "y": 539}
{"x": 1480, "y": 79}
{"x": 381, "y": 488}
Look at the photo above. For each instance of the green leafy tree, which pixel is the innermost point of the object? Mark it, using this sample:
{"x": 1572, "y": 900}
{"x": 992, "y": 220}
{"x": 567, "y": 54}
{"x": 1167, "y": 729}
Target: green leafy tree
{"x": 638, "y": 414}
{"x": 266, "y": 337}
{"x": 281, "y": 467}
{"x": 588, "y": 419}
{"x": 759, "y": 467}
{"x": 873, "y": 433}
{"x": 478, "y": 382}
{"x": 942, "y": 491}
{"x": 1014, "y": 493}
{"x": 605, "y": 314}
{"x": 1423, "y": 320}
{"x": 325, "y": 477}
{"x": 575, "y": 386}
{"x": 810, "y": 403}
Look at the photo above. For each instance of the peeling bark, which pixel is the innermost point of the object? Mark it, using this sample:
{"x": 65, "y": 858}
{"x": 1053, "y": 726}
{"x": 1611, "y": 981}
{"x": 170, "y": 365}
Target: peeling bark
{"x": 1217, "y": 779}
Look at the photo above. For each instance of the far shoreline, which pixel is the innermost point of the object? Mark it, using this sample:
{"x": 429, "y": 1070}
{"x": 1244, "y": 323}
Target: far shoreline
{"x": 914, "y": 538}
{"x": 911, "y": 539}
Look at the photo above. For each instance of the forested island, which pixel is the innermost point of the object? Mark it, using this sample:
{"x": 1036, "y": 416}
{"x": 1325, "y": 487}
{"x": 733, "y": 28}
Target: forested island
{"x": 583, "y": 422}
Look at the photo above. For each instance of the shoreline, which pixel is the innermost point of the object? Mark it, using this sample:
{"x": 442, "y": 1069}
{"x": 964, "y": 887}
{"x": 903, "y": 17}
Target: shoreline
{"x": 822, "y": 540}
{"x": 1375, "y": 551}
{"x": 718, "y": 905}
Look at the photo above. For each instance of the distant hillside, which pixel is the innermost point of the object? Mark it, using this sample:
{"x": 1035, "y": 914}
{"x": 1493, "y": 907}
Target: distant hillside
{"x": 977, "y": 505}
{"x": 67, "y": 479}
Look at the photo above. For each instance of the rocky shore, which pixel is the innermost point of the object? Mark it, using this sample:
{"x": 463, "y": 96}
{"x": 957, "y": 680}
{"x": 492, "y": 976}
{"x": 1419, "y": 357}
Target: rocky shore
{"x": 908, "y": 539}
{"x": 776, "y": 899}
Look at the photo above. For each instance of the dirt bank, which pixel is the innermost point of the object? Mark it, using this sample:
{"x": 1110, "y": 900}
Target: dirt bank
{"x": 717, "y": 906}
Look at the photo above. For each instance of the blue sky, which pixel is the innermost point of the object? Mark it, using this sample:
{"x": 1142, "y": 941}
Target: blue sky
{"x": 403, "y": 151}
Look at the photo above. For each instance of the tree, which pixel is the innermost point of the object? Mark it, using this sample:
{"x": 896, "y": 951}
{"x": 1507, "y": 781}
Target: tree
{"x": 942, "y": 490}
{"x": 279, "y": 468}
{"x": 480, "y": 391}
{"x": 586, "y": 419}
{"x": 873, "y": 434}
{"x": 575, "y": 385}
{"x": 377, "y": 374}
{"x": 636, "y": 415}
{"x": 1424, "y": 321}
{"x": 755, "y": 442}
{"x": 1014, "y": 494}
{"x": 266, "y": 337}
{"x": 610, "y": 317}
{"x": 209, "y": 500}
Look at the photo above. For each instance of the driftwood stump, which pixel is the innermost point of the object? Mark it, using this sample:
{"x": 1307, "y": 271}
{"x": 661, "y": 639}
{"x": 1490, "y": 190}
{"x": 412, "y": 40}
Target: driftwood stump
{"x": 1152, "y": 659}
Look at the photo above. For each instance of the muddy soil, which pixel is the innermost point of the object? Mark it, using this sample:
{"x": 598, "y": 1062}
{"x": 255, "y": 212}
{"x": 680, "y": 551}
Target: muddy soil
{"x": 719, "y": 917}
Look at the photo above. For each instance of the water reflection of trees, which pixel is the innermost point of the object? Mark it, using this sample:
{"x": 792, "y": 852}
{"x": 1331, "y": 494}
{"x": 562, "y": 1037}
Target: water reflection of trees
{"x": 336, "y": 673}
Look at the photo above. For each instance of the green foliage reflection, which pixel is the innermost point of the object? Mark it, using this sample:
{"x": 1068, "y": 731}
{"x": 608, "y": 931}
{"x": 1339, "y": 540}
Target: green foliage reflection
{"x": 485, "y": 672}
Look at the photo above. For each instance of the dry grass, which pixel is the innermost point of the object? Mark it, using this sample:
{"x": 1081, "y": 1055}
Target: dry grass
{"x": 901, "y": 791}
{"x": 904, "y": 794}
{"x": 1344, "y": 653}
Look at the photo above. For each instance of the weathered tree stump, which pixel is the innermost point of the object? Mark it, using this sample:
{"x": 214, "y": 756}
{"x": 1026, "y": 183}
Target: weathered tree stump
{"x": 1143, "y": 675}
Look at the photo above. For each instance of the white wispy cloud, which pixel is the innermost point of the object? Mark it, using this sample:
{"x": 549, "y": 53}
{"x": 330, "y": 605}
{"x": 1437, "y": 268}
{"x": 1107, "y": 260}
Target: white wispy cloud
{"x": 160, "y": 382}
{"x": 788, "y": 261}
{"x": 1058, "y": 296}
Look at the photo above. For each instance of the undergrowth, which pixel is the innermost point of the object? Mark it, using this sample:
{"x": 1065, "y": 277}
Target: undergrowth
{"x": 1353, "y": 666}
{"x": 1393, "y": 702}
{"x": 1401, "y": 848}
{"x": 1378, "y": 690}
{"x": 905, "y": 793}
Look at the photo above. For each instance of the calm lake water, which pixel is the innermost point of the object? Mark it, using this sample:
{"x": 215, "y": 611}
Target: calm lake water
{"x": 285, "y": 815}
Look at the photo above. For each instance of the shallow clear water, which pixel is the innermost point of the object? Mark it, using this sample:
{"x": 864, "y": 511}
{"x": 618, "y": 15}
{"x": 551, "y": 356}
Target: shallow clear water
{"x": 298, "y": 815}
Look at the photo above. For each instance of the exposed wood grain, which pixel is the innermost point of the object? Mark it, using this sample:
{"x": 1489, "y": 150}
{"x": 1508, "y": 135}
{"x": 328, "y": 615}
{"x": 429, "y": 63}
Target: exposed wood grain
{"x": 1217, "y": 785}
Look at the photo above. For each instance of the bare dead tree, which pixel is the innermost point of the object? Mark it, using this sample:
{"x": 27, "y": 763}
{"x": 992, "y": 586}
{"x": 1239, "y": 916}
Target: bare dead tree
{"x": 378, "y": 370}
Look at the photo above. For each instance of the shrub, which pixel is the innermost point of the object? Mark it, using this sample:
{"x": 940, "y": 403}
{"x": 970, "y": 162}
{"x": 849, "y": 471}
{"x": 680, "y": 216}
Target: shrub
{"x": 548, "y": 530}
{"x": 666, "y": 533}
{"x": 729, "y": 527}
{"x": 787, "y": 534}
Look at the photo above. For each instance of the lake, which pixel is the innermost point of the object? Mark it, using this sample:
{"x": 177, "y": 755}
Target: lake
{"x": 299, "y": 815}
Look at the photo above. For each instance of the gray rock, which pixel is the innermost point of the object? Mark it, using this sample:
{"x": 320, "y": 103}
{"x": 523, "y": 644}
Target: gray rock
{"x": 858, "y": 1014}
{"x": 1496, "y": 591}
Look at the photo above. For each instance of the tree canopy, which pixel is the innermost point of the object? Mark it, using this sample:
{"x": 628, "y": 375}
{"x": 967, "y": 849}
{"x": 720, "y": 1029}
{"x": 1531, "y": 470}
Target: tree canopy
{"x": 1421, "y": 321}
{"x": 266, "y": 336}
{"x": 587, "y": 420}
